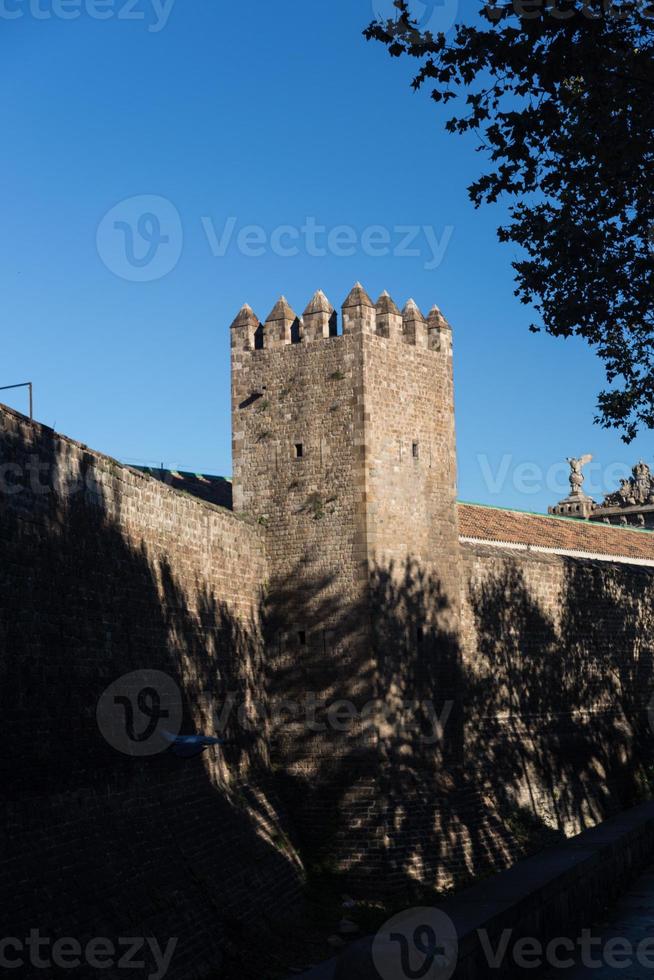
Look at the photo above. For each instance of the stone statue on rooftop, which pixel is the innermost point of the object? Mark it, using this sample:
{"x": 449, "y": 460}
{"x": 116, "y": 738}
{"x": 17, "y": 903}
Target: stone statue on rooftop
{"x": 576, "y": 476}
{"x": 642, "y": 482}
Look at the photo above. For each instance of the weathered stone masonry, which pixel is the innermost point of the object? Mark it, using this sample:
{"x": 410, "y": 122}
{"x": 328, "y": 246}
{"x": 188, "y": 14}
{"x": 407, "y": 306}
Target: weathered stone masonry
{"x": 558, "y": 662}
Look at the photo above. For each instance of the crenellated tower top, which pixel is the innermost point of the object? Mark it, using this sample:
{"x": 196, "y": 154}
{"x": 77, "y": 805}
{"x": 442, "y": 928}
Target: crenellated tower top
{"x": 359, "y": 314}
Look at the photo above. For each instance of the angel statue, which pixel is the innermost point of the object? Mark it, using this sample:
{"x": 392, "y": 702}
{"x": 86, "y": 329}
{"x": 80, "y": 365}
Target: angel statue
{"x": 576, "y": 476}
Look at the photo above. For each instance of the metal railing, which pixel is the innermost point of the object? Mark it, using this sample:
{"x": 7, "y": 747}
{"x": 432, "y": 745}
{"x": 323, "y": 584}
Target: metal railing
{"x": 23, "y": 384}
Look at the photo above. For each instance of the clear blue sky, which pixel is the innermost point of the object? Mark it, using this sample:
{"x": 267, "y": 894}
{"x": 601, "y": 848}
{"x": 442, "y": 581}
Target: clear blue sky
{"x": 266, "y": 113}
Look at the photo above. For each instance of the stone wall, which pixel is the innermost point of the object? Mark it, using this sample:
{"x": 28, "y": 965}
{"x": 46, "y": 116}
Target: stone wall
{"x": 543, "y": 694}
{"x": 557, "y": 668}
{"x": 104, "y": 571}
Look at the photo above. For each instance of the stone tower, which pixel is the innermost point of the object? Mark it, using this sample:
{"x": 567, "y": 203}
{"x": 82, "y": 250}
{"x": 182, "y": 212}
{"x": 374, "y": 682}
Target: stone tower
{"x": 344, "y": 449}
{"x": 344, "y": 443}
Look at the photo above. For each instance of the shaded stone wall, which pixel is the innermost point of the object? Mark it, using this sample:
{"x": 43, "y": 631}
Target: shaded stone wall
{"x": 104, "y": 571}
{"x": 311, "y": 505}
{"x": 407, "y": 829}
{"x": 558, "y": 671}
{"x": 543, "y": 695}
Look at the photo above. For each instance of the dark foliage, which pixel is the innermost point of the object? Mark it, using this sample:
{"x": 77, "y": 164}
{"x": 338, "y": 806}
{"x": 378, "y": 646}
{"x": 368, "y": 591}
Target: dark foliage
{"x": 562, "y": 97}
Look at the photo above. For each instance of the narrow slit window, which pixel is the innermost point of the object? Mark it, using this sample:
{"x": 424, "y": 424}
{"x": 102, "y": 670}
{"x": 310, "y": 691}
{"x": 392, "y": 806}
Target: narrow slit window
{"x": 299, "y": 450}
{"x": 302, "y": 638}
{"x": 415, "y": 449}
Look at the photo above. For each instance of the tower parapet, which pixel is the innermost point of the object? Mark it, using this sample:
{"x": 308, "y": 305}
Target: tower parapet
{"x": 283, "y": 327}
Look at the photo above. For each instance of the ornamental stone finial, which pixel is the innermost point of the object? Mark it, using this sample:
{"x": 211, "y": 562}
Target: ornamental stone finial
{"x": 576, "y": 476}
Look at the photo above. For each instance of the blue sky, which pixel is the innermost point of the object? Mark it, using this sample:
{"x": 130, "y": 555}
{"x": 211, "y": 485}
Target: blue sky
{"x": 252, "y": 114}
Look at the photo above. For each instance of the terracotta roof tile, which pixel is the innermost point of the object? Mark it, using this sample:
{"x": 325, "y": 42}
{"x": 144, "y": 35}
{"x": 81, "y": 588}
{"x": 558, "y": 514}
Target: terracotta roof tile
{"x": 547, "y": 531}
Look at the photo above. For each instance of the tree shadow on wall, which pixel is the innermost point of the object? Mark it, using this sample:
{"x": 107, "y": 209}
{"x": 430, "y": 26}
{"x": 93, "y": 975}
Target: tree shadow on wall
{"x": 556, "y": 717}
{"x": 96, "y": 842}
{"x": 378, "y": 790}
{"x": 542, "y": 722}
